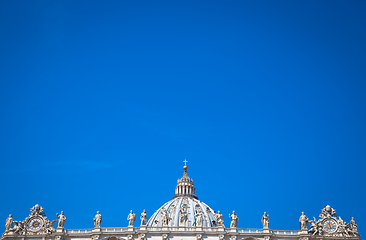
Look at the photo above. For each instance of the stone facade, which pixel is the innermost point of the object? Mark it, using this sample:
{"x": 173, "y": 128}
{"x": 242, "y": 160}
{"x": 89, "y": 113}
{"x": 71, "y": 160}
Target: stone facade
{"x": 182, "y": 218}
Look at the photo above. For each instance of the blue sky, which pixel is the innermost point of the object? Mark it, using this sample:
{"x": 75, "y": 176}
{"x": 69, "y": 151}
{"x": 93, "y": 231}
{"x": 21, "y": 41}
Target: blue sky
{"x": 101, "y": 101}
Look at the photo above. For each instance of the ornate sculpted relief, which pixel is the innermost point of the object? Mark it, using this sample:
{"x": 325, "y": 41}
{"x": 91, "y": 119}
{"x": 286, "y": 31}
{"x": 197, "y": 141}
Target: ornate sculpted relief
{"x": 330, "y": 225}
{"x": 36, "y": 223}
{"x": 183, "y": 214}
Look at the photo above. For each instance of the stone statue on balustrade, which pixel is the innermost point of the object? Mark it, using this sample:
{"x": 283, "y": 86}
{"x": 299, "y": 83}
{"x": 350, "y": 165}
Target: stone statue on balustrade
{"x": 219, "y": 219}
{"x": 265, "y": 220}
{"x": 303, "y": 222}
{"x": 131, "y": 219}
{"x": 9, "y": 223}
{"x": 61, "y": 219}
{"x": 234, "y": 220}
{"x": 143, "y": 218}
{"x": 97, "y": 220}
{"x": 199, "y": 219}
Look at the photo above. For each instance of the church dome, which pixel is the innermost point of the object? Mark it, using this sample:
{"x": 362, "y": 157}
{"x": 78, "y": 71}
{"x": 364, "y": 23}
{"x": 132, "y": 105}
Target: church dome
{"x": 184, "y": 210}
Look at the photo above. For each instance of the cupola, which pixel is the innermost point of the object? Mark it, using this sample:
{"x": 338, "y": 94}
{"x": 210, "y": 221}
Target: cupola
{"x": 185, "y": 185}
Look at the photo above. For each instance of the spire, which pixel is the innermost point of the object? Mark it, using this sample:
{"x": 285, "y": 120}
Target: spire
{"x": 185, "y": 185}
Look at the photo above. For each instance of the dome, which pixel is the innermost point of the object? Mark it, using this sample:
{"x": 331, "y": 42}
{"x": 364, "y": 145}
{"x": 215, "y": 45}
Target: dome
{"x": 184, "y": 210}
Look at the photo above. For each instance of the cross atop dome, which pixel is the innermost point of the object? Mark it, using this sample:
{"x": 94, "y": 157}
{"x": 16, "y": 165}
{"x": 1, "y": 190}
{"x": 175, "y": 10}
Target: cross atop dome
{"x": 185, "y": 185}
{"x": 185, "y": 164}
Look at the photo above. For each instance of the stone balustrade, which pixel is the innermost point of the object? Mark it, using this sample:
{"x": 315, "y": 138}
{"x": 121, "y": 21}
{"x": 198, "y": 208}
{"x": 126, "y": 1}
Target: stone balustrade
{"x": 183, "y": 229}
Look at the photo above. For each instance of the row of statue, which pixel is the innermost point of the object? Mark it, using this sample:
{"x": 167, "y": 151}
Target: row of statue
{"x": 328, "y": 224}
{"x": 131, "y": 219}
{"x": 19, "y": 225}
{"x": 165, "y": 219}
{"x": 198, "y": 223}
{"x": 234, "y": 220}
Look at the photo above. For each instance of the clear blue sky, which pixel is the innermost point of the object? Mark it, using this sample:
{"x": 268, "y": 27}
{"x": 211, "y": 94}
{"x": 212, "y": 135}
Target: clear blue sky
{"x": 101, "y": 101}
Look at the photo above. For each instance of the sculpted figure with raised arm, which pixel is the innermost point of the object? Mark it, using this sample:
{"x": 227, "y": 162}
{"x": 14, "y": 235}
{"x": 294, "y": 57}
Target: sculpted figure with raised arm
{"x": 61, "y": 219}
{"x": 234, "y": 220}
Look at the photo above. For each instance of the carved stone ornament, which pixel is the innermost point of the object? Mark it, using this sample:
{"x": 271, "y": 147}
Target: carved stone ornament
{"x": 249, "y": 238}
{"x": 221, "y": 237}
{"x": 36, "y": 223}
{"x": 112, "y": 238}
{"x": 59, "y": 237}
{"x": 164, "y": 237}
{"x": 142, "y": 237}
{"x": 267, "y": 237}
{"x": 330, "y": 225}
{"x": 233, "y": 237}
{"x": 198, "y": 236}
{"x": 95, "y": 237}
{"x": 129, "y": 237}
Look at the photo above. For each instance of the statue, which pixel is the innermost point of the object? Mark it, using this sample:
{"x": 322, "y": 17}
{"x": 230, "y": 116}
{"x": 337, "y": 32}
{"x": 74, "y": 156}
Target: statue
{"x": 314, "y": 228}
{"x": 19, "y": 227}
{"x": 183, "y": 215}
{"x": 303, "y": 222}
{"x": 342, "y": 227}
{"x": 353, "y": 226}
{"x": 97, "y": 220}
{"x": 164, "y": 217}
{"x": 131, "y": 219}
{"x": 265, "y": 220}
{"x": 328, "y": 212}
{"x": 61, "y": 220}
{"x": 199, "y": 220}
{"x": 143, "y": 218}
{"x": 37, "y": 210}
{"x": 9, "y": 223}
{"x": 234, "y": 220}
{"x": 49, "y": 229}
{"x": 219, "y": 219}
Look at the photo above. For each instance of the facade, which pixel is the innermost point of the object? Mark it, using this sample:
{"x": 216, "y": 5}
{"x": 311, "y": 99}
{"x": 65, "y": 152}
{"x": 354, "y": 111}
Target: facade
{"x": 182, "y": 218}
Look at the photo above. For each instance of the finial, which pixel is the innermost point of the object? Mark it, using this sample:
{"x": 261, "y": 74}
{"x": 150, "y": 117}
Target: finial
{"x": 185, "y": 164}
